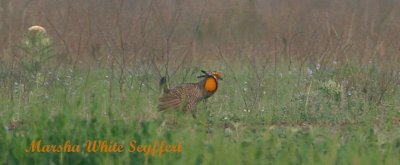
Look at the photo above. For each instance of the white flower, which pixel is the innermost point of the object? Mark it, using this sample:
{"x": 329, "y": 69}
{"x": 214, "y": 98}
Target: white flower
{"x": 37, "y": 29}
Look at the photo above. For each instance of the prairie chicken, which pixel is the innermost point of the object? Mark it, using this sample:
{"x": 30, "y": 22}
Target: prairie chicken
{"x": 186, "y": 96}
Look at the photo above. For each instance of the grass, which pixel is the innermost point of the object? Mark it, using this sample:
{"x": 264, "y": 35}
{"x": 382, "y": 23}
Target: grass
{"x": 245, "y": 122}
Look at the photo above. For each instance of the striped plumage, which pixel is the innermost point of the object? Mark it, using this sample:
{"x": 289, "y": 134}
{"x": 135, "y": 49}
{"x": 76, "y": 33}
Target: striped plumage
{"x": 186, "y": 96}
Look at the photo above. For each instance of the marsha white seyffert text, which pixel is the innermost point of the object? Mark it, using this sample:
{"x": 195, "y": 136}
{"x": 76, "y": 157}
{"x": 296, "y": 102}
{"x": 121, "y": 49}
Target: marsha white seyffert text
{"x": 91, "y": 146}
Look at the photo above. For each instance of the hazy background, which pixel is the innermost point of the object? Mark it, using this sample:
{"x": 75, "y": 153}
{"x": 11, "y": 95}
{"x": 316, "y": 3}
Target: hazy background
{"x": 181, "y": 33}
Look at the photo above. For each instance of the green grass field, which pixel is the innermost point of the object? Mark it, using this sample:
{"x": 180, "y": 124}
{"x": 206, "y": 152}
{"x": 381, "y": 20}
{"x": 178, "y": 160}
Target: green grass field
{"x": 285, "y": 118}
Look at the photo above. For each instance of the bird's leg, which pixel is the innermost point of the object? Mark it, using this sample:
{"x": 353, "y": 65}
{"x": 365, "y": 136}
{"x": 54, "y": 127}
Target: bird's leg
{"x": 189, "y": 108}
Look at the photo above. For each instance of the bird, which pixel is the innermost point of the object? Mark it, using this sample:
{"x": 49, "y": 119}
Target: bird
{"x": 186, "y": 96}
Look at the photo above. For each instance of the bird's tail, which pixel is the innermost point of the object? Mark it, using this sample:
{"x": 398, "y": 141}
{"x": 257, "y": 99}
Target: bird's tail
{"x": 163, "y": 84}
{"x": 168, "y": 101}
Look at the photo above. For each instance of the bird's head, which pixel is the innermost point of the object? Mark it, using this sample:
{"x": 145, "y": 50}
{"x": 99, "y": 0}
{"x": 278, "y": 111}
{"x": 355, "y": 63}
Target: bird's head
{"x": 215, "y": 74}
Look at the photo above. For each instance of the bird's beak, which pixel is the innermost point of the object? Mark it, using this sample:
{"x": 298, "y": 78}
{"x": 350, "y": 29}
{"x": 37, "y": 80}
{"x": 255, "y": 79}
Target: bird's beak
{"x": 220, "y": 78}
